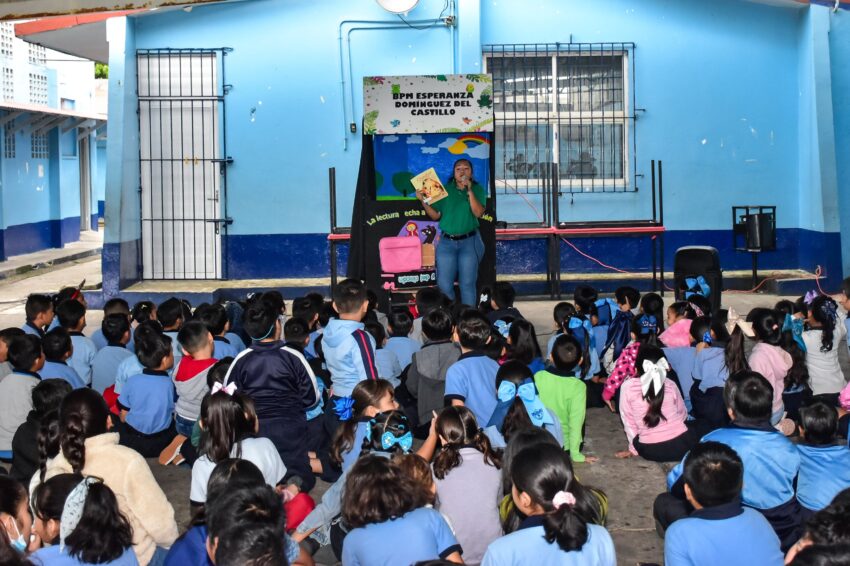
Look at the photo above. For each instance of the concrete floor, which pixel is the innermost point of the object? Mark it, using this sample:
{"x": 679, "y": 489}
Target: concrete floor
{"x": 631, "y": 484}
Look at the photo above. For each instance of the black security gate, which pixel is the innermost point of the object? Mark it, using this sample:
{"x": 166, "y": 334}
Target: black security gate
{"x": 183, "y": 162}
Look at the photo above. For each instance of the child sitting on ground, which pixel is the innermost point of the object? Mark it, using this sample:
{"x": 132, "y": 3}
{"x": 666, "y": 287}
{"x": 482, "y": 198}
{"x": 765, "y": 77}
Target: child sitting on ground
{"x": 104, "y": 367}
{"x": 771, "y": 461}
{"x": 426, "y": 377}
{"x": 768, "y": 358}
{"x": 628, "y": 299}
{"x": 471, "y": 381}
{"x": 308, "y": 311}
{"x": 6, "y": 337}
{"x": 39, "y": 312}
{"x": 825, "y": 332}
{"x": 281, "y": 383}
{"x": 653, "y": 413}
{"x": 80, "y": 520}
{"x": 58, "y": 349}
{"x": 562, "y": 312}
{"x": 824, "y": 465}
{"x": 523, "y": 345}
{"x": 72, "y": 317}
{"x": 559, "y": 515}
{"x": 644, "y": 331}
{"x": 27, "y": 359}
{"x": 502, "y": 302}
{"x": 720, "y": 530}
{"x": 110, "y": 307}
{"x": 215, "y": 319}
{"x": 826, "y": 528}
{"x": 427, "y": 299}
{"x": 147, "y": 399}
{"x": 383, "y": 504}
{"x": 190, "y": 377}
{"x": 400, "y": 343}
{"x": 519, "y": 406}
{"x": 171, "y": 316}
{"x": 46, "y": 398}
{"x": 386, "y": 360}
{"x": 565, "y": 394}
{"x": 679, "y": 317}
{"x": 468, "y": 481}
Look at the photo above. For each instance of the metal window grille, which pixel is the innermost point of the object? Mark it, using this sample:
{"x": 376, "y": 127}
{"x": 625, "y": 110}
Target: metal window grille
{"x": 183, "y": 165}
{"x": 8, "y": 143}
{"x": 571, "y": 105}
{"x": 38, "y": 88}
{"x": 7, "y": 37}
{"x": 37, "y": 54}
{"x": 8, "y": 83}
{"x": 39, "y": 146}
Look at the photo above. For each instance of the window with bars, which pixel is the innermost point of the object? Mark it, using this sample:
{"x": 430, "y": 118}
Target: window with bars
{"x": 8, "y": 83}
{"x": 7, "y": 39}
{"x": 38, "y": 88}
{"x": 8, "y": 143}
{"x": 37, "y": 54}
{"x": 564, "y": 115}
{"x": 39, "y": 146}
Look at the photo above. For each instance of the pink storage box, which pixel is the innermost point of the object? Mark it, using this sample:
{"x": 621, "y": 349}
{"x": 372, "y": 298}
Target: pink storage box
{"x": 400, "y": 254}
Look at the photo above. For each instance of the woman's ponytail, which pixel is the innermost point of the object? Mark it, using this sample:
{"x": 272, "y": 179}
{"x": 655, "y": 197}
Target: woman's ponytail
{"x": 457, "y": 425}
{"x": 73, "y": 442}
{"x": 482, "y": 444}
{"x": 733, "y": 354}
{"x": 565, "y": 527}
{"x": 825, "y": 311}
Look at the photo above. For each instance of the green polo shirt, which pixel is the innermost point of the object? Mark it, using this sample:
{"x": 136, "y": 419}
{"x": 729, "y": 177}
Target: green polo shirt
{"x": 456, "y": 218}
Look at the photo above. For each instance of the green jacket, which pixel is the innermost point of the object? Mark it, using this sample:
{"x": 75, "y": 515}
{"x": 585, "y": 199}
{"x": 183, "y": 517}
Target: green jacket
{"x": 566, "y": 396}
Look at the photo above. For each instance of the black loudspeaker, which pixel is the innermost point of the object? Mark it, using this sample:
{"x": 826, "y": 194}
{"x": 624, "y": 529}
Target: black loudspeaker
{"x": 760, "y": 232}
{"x": 693, "y": 261}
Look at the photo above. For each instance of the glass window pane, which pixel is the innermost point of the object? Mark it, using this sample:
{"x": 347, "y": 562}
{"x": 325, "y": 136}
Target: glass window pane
{"x": 592, "y": 151}
{"x": 521, "y": 84}
{"x": 522, "y": 150}
{"x": 590, "y": 83}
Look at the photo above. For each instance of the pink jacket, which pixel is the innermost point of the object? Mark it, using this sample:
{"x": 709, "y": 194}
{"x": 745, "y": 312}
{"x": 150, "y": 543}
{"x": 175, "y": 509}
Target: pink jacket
{"x": 624, "y": 368}
{"x": 773, "y": 363}
{"x": 844, "y": 398}
{"x": 633, "y": 408}
{"x": 678, "y": 335}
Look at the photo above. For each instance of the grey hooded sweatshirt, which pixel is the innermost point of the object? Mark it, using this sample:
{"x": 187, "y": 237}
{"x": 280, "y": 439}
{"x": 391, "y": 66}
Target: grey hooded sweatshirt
{"x": 426, "y": 378}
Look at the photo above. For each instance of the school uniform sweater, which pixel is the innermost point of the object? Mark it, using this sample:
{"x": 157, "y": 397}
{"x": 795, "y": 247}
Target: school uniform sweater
{"x": 404, "y": 348}
{"x": 469, "y": 497}
{"x": 824, "y": 471}
{"x": 472, "y": 379}
{"x": 528, "y": 545}
{"x": 727, "y": 534}
{"x": 825, "y": 375}
{"x": 349, "y": 354}
{"x": 190, "y": 381}
{"x": 63, "y": 371}
{"x": 388, "y": 366}
{"x": 682, "y": 362}
{"x": 633, "y": 408}
{"x": 104, "y": 366}
{"x": 773, "y": 363}
{"x": 81, "y": 359}
{"x": 280, "y": 381}
{"x": 426, "y": 378}
{"x": 139, "y": 496}
{"x": 566, "y": 396}
{"x": 15, "y": 403}
{"x": 223, "y": 348}
{"x": 710, "y": 368}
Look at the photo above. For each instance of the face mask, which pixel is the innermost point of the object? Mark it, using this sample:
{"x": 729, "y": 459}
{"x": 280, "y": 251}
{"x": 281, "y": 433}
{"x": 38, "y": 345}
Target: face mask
{"x": 19, "y": 543}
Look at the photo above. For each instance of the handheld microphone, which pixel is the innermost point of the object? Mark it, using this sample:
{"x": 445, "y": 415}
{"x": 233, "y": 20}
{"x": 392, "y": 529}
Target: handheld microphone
{"x": 464, "y": 180}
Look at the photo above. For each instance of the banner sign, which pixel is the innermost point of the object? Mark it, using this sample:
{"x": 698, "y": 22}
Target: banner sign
{"x": 428, "y": 104}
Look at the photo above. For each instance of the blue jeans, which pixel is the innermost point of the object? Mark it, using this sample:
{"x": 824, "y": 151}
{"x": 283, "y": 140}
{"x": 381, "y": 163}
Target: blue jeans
{"x": 184, "y": 426}
{"x": 458, "y": 260}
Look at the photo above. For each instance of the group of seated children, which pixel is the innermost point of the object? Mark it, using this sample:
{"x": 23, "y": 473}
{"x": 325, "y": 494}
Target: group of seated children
{"x": 442, "y": 427}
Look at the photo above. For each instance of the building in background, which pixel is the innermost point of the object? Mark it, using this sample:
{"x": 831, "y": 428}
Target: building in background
{"x": 52, "y": 170}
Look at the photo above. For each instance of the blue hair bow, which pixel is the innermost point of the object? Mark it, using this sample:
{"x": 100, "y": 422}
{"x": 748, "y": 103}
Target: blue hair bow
{"x": 795, "y": 327}
{"x": 706, "y": 337}
{"x": 344, "y": 408}
{"x": 502, "y": 327}
{"x": 697, "y": 286}
{"x": 528, "y": 394}
{"x": 388, "y": 440}
{"x": 582, "y": 330}
{"x": 648, "y": 324}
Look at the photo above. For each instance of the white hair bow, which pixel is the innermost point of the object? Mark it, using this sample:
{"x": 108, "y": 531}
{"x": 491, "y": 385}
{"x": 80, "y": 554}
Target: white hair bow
{"x": 733, "y": 319}
{"x": 230, "y": 388}
{"x": 654, "y": 374}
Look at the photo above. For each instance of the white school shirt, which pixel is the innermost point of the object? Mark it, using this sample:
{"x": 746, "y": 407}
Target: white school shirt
{"x": 825, "y": 375}
{"x": 259, "y": 451}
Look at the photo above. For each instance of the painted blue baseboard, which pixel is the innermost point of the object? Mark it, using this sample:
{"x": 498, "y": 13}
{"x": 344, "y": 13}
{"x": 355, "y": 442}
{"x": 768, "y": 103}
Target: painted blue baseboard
{"x": 36, "y": 236}
{"x": 308, "y": 255}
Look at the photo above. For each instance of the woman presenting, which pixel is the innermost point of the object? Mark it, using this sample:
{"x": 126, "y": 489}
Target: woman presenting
{"x": 460, "y": 248}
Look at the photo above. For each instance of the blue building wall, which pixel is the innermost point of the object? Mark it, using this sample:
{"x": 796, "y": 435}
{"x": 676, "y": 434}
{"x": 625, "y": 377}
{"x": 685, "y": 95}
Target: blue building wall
{"x": 738, "y": 98}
